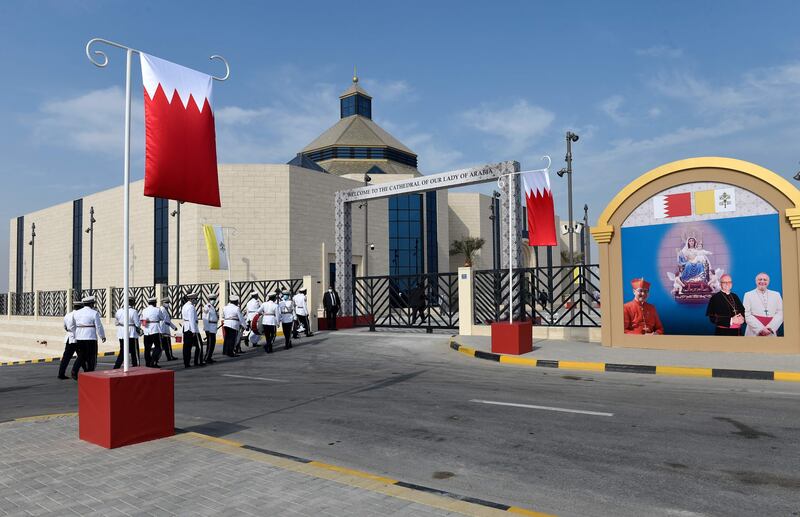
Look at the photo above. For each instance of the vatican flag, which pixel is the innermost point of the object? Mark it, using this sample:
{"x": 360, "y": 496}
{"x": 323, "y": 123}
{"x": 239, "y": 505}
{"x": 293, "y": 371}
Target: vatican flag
{"x": 215, "y": 244}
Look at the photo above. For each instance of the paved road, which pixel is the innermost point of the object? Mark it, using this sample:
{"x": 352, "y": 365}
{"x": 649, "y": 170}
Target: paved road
{"x": 404, "y": 406}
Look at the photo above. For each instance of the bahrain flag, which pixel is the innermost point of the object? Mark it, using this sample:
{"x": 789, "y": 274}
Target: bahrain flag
{"x": 541, "y": 213}
{"x": 180, "y": 144}
{"x": 672, "y": 205}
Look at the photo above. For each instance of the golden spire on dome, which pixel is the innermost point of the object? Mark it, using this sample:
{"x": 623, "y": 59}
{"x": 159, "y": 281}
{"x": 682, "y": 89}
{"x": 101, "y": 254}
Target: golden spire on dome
{"x": 355, "y": 75}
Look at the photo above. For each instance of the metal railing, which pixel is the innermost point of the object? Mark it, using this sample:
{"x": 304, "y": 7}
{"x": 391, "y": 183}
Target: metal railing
{"x": 4, "y": 303}
{"x": 52, "y": 303}
{"x": 99, "y": 299}
{"x": 428, "y": 301}
{"x": 563, "y": 296}
{"x": 140, "y": 295}
{"x": 264, "y": 287}
{"x": 177, "y": 292}
{"x": 22, "y": 304}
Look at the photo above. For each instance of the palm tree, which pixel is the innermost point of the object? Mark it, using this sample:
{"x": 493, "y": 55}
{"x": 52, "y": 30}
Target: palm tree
{"x": 467, "y": 247}
{"x": 577, "y": 258}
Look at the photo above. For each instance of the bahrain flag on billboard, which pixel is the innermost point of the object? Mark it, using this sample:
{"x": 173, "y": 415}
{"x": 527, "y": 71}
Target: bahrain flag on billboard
{"x": 180, "y": 145}
{"x": 541, "y": 212}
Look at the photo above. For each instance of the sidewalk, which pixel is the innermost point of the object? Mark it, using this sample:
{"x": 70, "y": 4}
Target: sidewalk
{"x": 46, "y": 470}
{"x": 636, "y": 360}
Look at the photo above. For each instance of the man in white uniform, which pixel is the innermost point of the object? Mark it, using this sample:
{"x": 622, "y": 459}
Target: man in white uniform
{"x": 270, "y": 314}
{"x": 286, "y": 311}
{"x": 166, "y": 324}
{"x": 763, "y": 309}
{"x": 232, "y": 321}
{"x": 252, "y": 311}
{"x": 70, "y": 347}
{"x": 301, "y": 309}
{"x": 86, "y": 326}
{"x": 190, "y": 330}
{"x": 210, "y": 322}
{"x": 134, "y": 326}
{"x": 151, "y": 325}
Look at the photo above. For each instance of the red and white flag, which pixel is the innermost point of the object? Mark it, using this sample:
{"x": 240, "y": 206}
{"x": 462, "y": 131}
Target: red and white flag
{"x": 672, "y": 205}
{"x": 541, "y": 213}
{"x": 181, "y": 148}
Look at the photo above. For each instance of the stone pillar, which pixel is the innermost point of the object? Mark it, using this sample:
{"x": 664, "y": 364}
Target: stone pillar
{"x": 466, "y": 317}
{"x": 36, "y": 304}
{"x": 160, "y": 290}
{"x": 344, "y": 252}
{"x": 70, "y": 299}
{"x": 9, "y": 298}
{"x": 224, "y": 293}
{"x": 109, "y": 303}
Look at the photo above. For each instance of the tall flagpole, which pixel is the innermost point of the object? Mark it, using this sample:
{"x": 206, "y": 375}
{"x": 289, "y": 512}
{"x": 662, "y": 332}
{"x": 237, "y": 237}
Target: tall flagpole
{"x": 100, "y": 59}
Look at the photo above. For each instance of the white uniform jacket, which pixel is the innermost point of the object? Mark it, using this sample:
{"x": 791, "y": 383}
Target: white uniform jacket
{"x": 189, "y": 317}
{"x": 286, "y": 309}
{"x": 69, "y": 323}
{"x": 166, "y": 321}
{"x": 87, "y": 325}
{"x": 252, "y": 308}
{"x": 232, "y": 317}
{"x": 210, "y": 318}
{"x": 300, "y": 307}
{"x": 151, "y": 320}
{"x": 133, "y": 323}
{"x": 270, "y": 313}
{"x": 769, "y": 304}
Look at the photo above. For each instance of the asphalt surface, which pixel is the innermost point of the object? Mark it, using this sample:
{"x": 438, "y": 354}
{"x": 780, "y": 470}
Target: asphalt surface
{"x": 404, "y": 406}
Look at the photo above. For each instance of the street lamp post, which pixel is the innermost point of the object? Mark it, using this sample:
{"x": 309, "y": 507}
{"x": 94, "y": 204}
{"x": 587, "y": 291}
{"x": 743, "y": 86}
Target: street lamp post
{"x": 33, "y": 250}
{"x": 585, "y": 242}
{"x": 367, "y": 179}
{"x": 494, "y": 217}
{"x": 571, "y": 137}
{"x": 90, "y": 231}
{"x": 177, "y": 214}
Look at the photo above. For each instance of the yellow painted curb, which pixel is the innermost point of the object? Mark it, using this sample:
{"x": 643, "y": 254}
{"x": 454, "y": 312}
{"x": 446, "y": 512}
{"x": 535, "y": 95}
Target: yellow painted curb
{"x": 466, "y": 350}
{"x": 517, "y": 360}
{"x": 787, "y": 376}
{"x": 41, "y": 418}
{"x": 352, "y": 472}
{"x": 581, "y": 365}
{"x": 683, "y": 371}
{"x": 215, "y": 439}
{"x": 531, "y": 513}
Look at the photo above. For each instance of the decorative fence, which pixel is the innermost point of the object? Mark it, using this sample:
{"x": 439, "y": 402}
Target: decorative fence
{"x": 564, "y": 296}
{"x": 176, "y": 293}
{"x": 22, "y": 304}
{"x": 4, "y": 303}
{"x": 52, "y": 303}
{"x": 264, "y": 287}
{"x": 99, "y": 299}
{"x": 424, "y": 301}
{"x": 140, "y": 295}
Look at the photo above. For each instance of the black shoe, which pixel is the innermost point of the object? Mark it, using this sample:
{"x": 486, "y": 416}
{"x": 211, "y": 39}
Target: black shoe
{"x": 210, "y": 361}
{"x": 74, "y": 376}
{"x": 63, "y": 377}
{"x": 287, "y": 347}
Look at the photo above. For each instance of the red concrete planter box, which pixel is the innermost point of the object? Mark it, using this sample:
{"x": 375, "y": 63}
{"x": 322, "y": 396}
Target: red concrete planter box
{"x": 345, "y": 322}
{"x": 117, "y": 408}
{"x": 512, "y": 338}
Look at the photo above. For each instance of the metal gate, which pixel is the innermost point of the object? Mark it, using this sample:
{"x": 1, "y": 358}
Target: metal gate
{"x": 428, "y": 301}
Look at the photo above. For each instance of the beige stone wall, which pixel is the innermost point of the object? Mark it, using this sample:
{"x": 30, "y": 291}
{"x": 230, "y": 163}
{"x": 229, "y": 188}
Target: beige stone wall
{"x": 469, "y": 217}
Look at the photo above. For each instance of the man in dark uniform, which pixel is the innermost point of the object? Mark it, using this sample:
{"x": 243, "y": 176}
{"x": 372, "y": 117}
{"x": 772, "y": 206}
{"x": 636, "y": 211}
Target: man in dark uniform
{"x": 725, "y": 310}
{"x": 332, "y": 304}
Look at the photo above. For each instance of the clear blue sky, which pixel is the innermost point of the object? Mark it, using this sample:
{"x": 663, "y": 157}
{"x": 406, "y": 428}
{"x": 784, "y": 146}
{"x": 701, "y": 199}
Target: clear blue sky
{"x": 461, "y": 83}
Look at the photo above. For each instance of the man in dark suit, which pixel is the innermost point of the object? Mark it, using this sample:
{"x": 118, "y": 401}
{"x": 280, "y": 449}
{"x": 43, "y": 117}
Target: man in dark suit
{"x": 332, "y": 304}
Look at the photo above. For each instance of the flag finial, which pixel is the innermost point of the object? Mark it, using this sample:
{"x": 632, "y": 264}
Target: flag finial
{"x": 355, "y": 75}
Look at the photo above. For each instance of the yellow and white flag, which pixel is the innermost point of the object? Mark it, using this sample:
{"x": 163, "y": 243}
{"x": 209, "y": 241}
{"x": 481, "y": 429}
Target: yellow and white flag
{"x": 715, "y": 201}
{"x": 215, "y": 244}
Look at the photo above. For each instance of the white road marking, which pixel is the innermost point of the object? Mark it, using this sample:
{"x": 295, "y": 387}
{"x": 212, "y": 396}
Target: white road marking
{"x": 254, "y": 378}
{"x": 547, "y": 408}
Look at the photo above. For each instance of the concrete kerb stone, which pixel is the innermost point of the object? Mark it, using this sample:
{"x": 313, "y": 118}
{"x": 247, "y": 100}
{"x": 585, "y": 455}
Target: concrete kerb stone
{"x": 357, "y": 479}
{"x": 674, "y": 371}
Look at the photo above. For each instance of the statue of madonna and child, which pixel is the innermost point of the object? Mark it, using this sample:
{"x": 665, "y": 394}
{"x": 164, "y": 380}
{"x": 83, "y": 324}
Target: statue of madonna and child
{"x": 694, "y": 281}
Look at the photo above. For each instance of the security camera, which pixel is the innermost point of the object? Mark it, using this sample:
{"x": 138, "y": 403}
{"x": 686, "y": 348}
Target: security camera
{"x": 561, "y": 173}
{"x": 372, "y": 247}
{"x": 367, "y": 178}
{"x": 797, "y": 176}
{"x": 572, "y": 136}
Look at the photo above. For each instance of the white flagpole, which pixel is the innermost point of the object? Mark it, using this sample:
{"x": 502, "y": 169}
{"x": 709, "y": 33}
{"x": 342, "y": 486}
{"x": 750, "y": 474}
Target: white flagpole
{"x": 228, "y": 252}
{"x": 126, "y": 209}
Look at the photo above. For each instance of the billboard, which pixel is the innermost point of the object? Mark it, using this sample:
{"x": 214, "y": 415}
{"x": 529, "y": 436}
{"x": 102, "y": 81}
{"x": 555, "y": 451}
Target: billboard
{"x": 688, "y": 242}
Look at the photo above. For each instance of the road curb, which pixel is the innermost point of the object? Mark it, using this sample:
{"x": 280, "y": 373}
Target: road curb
{"x": 673, "y": 371}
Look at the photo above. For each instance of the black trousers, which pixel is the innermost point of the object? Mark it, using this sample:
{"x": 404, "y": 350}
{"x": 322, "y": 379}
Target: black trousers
{"x": 166, "y": 347}
{"x": 229, "y": 336}
{"x": 211, "y": 341}
{"x": 189, "y": 342}
{"x": 417, "y": 311}
{"x": 133, "y": 350}
{"x": 70, "y": 349}
{"x": 330, "y": 318}
{"x": 287, "y": 333}
{"x": 84, "y": 350}
{"x": 304, "y": 321}
{"x": 270, "y": 331}
{"x": 152, "y": 349}
{"x": 199, "y": 356}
